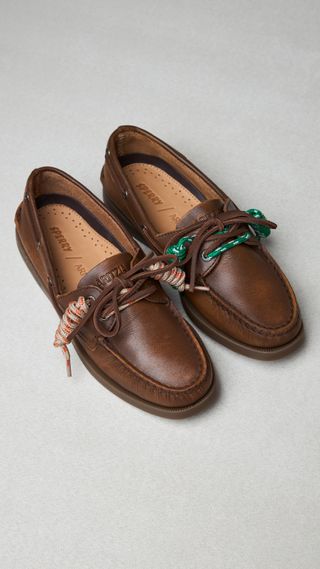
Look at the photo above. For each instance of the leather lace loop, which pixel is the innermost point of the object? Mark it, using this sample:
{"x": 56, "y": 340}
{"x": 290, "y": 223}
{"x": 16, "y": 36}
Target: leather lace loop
{"x": 209, "y": 235}
{"x": 126, "y": 289}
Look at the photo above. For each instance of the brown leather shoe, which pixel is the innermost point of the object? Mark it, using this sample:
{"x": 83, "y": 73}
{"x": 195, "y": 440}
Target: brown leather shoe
{"x": 123, "y": 326}
{"x": 246, "y": 302}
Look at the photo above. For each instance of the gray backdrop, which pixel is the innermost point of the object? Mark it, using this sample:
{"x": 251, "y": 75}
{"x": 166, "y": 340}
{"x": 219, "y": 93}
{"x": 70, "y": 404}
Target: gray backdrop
{"x": 89, "y": 482}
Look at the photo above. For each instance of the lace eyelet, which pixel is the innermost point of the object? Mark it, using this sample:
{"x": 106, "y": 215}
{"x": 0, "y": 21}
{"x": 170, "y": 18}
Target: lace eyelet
{"x": 204, "y": 257}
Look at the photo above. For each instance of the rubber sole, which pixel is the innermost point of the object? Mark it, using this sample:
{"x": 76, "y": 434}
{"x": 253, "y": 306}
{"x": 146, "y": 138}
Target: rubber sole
{"x": 201, "y": 322}
{"x": 110, "y": 384}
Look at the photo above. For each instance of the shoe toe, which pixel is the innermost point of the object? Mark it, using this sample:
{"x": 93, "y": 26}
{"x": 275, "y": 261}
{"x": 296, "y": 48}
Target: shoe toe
{"x": 250, "y": 300}
{"x": 171, "y": 365}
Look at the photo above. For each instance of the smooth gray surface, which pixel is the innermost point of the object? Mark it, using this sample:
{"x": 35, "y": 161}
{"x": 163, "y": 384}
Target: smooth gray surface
{"x": 87, "y": 481}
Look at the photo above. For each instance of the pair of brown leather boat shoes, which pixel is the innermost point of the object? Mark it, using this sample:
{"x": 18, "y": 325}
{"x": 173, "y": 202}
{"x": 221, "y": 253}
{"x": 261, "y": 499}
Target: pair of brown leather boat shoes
{"x": 107, "y": 291}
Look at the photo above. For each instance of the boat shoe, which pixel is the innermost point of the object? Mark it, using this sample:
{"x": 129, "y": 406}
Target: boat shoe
{"x": 237, "y": 293}
{"x": 108, "y": 295}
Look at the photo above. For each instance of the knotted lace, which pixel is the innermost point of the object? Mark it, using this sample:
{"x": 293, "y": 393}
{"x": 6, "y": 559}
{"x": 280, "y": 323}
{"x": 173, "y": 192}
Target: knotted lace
{"x": 207, "y": 236}
{"x": 123, "y": 291}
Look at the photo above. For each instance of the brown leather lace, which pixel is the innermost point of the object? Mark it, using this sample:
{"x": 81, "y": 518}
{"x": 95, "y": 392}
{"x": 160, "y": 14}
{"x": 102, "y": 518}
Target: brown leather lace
{"x": 124, "y": 290}
{"x": 205, "y": 241}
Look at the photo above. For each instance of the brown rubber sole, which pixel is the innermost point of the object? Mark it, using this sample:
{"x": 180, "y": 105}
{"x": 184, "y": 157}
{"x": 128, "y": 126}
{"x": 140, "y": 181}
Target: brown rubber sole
{"x": 111, "y": 385}
{"x": 201, "y": 322}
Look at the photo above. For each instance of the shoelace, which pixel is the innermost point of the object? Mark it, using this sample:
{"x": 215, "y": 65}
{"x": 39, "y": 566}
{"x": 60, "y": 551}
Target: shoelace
{"x": 71, "y": 318}
{"x": 125, "y": 290}
{"x": 221, "y": 233}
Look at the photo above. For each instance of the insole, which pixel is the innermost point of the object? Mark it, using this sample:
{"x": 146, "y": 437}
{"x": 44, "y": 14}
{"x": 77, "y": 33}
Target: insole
{"x": 74, "y": 245}
{"x": 164, "y": 199}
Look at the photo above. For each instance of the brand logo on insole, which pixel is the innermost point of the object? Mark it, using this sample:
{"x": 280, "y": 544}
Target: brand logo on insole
{"x": 81, "y": 269}
{"x": 60, "y": 238}
{"x": 150, "y": 194}
{"x": 174, "y": 218}
{"x": 107, "y": 278}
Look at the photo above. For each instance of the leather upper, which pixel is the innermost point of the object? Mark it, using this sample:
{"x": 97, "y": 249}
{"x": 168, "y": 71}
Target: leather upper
{"x": 154, "y": 354}
{"x": 250, "y": 299}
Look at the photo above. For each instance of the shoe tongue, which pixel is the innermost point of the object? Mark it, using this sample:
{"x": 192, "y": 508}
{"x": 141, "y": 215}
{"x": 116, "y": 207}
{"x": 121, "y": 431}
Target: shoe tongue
{"x": 201, "y": 212}
{"x": 103, "y": 274}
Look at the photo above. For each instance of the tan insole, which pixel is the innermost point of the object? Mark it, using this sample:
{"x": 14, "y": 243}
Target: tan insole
{"x": 74, "y": 245}
{"x": 164, "y": 200}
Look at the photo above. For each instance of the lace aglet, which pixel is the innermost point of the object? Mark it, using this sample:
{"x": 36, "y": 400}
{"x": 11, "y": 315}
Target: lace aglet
{"x": 67, "y": 357}
{"x": 68, "y": 366}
